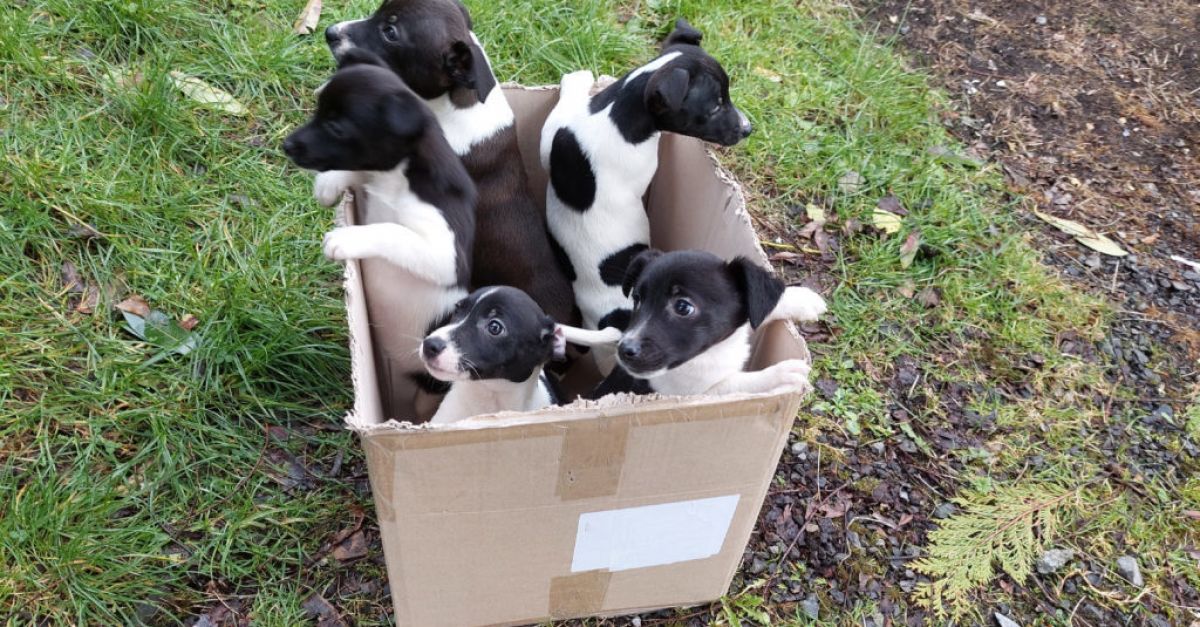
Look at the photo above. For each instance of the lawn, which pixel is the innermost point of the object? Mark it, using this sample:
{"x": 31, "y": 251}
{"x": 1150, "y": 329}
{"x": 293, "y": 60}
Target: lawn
{"x": 138, "y": 485}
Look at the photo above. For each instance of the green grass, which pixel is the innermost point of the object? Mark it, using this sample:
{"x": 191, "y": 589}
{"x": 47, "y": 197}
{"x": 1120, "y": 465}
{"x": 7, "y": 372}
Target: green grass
{"x": 129, "y": 488}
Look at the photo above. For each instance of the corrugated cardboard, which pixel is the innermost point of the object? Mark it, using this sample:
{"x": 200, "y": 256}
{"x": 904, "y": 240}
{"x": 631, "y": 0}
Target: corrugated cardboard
{"x": 599, "y": 508}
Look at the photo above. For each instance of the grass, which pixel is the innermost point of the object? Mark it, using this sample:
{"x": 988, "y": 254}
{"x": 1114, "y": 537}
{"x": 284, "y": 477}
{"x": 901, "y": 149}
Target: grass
{"x": 134, "y": 492}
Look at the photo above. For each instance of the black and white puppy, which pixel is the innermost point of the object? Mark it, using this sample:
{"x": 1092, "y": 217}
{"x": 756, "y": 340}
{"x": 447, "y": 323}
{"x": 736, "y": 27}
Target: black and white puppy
{"x": 429, "y": 43}
{"x": 602, "y": 151}
{"x": 690, "y": 329}
{"x": 418, "y": 215}
{"x": 492, "y": 351}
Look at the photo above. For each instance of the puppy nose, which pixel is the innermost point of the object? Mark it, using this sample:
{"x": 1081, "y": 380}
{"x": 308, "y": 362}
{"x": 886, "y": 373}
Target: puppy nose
{"x": 630, "y": 348}
{"x": 747, "y": 128}
{"x": 432, "y": 347}
{"x": 332, "y": 35}
{"x": 291, "y": 147}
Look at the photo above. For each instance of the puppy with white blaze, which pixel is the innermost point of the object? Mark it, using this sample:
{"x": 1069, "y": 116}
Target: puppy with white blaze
{"x": 429, "y": 43}
{"x": 417, "y": 224}
{"x": 492, "y": 352}
{"x": 689, "y": 332}
{"x": 602, "y": 151}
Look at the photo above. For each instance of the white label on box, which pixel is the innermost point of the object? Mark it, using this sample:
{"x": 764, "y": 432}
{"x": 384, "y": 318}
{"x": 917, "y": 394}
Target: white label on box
{"x": 652, "y": 535}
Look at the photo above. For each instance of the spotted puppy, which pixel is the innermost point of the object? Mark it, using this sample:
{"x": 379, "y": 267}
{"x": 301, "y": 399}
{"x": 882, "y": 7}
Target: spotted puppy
{"x": 690, "y": 329}
{"x": 492, "y": 352}
{"x": 429, "y": 43}
{"x": 418, "y": 216}
{"x": 601, "y": 152}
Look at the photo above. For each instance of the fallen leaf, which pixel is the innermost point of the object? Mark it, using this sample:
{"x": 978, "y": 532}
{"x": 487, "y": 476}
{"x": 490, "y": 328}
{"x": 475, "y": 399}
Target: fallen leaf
{"x": 122, "y": 78}
{"x": 929, "y": 297}
{"x": 91, "y": 298}
{"x": 815, "y": 213}
{"x": 837, "y": 509}
{"x": 886, "y": 221}
{"x": 768, "y": 74}
{"x": 306, "y": 22}
{"x": 907, "y": 289}
{"x": 1083, "y": 235}
{"x": 206, "y": 94}
{"x": 823, "y": 242}
{"x": 135, "y": 305}
{"x": 1187, "y": 262}
{"x": 1150, "y": 239}
{"x": 908, "y": 250}
{"x": 852, "y": 226}
{"x": 317, "y": 607}
{"x": 852, "y": 425}
{"x": 978, "y": 16}
{"x": 850, "y": 182}
{"x": 1191, "y": 513}
{"x": 189, "y": 322}
{"x": 904, "y": 520}
{"x": 785, "y": 256}
{"x": 71, "y": 280}
{"x": 84, "y": 232}
{"x": 351, "y": 548}
{"x": 809, "y": 230}
{"x": 892, "y": 204}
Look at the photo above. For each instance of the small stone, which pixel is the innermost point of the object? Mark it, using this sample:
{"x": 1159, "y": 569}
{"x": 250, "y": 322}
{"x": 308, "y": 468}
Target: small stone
{"x": 878, "y": 447}
{"x": 1004, "y": 621}
{"x": 636, "y": 621}
{"x": 1165, "y": 412}
{"x": 799, "y": 448}
{"x": 943, "y": 511}
{"x": 1041, "y": 20}
{"x": 758, "y": 566}
{"x": 1053, "y": 560}
{"x": 1093, "y": 261}
{"x": 1127, "y": 567}
{"x": 811, "y": 607}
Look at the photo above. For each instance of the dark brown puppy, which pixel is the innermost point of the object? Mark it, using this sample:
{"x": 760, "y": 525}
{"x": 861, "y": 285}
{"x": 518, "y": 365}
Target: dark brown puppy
{"x": 429, "y": 43}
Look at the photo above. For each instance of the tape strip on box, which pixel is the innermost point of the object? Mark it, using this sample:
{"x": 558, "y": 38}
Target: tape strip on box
{"x": 593, "y": 454}
{"x": 579, "y": 594}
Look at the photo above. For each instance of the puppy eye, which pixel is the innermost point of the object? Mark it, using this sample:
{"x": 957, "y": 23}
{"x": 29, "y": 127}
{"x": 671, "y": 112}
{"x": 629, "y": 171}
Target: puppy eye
{"x": 684, "y": 308}
{"x": 715, "y": 110}
{"x": 495, "y": 327}
{"x": 390, "y": 33}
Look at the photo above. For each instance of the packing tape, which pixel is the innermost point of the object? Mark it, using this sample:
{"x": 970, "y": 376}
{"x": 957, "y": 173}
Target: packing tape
{"x": 580, "y": 594}
{"x": 593, "y": 454}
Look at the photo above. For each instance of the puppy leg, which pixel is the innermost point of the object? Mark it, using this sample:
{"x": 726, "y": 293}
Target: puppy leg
{"x": 396, "y": 244}
{"x": 790, "y": 374}
{"x": 330, "y": 186}
{"x": 798, "y": 303}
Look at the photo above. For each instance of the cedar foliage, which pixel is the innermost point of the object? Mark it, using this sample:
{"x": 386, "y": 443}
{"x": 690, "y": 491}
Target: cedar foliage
{"x": 1009, "y": 527}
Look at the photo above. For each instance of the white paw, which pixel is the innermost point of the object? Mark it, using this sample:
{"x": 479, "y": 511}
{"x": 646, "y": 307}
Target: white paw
{"x": 349, "y": 242}
{"x": 329, "y": 187}
{"x": 791, "y": 375}
{"x": 804, "y": 304}
{"x": 581, "y": 80}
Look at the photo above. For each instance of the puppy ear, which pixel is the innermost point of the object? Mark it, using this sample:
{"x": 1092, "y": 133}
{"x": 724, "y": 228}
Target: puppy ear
{"x": 667, "y": 89}
{"x": 555, "y": 335}
{"x": 760, "y": 290}
{"x": 635, "y": 268}
{"x": 403, "y": 119}
{"x": 459, "y": 63}
{"x": 684, "y": 33}
{"x": 359, "y": 56}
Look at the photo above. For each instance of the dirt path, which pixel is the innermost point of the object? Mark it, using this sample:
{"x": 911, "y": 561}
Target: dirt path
{"x": 1092, "y": 108}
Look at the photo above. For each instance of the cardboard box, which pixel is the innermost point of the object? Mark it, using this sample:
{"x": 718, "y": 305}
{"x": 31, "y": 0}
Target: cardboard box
{"x": 601, "y": 508}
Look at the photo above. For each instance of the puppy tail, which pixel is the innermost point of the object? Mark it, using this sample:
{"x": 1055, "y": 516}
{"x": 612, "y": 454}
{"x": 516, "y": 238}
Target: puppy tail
{"x": 798, "y": 303}
{"x": 587, "y": 337}
{"x": 576, "y": 85}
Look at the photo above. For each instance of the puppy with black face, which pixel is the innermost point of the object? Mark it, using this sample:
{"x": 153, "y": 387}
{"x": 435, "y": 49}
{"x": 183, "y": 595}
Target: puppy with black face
{"x": 416, "y": 222}
{"x": 429, "y": 43}
{"x": 689, "y": 332}
{"x": 602, "y": 151}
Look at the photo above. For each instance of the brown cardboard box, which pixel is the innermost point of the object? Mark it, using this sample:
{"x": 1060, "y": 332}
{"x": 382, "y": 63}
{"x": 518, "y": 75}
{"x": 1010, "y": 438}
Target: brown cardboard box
{"x": 600, "y": 508}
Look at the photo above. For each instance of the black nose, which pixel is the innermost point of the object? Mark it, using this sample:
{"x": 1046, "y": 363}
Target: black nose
{"x": 331, "y": 35}
{"x": 630, "y": 348}
{"x": 292, "y": 148}
{"x": 747, "y": 129}
{"x": 432, "y": 347}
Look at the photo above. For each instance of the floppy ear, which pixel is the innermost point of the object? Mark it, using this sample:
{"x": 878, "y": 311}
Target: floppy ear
{"x": 667, "y": 89}
{"x": 760, "y": 290}
{"x": 404, "y": 120}
{"x": 684, "y": 33}
{"x": 634, "y": 270}
{"x": 359, "y": 56}
{"x": 459, "y": 63}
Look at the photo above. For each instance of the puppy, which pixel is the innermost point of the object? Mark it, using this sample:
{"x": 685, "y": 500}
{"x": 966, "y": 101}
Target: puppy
{"x": 689, "y": 332}
{"x": 429, "y": 43}
{"x": 602, "y": 151}
{"x": 492, "y": 351}
{"x": 417, "y": 223}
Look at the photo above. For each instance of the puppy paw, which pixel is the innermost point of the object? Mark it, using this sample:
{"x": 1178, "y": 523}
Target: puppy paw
{"x": 801, "y": 303}
{"x": 791, "y": 375}
{"x": 329, "y": 187}
{"x": 577, "y": 82}
{"x": 349, "y": 242}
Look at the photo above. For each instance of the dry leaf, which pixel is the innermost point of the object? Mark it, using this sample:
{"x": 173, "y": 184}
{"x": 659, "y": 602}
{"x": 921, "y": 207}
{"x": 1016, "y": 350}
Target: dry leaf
{"x": 979, "y": 16}
{"x": 122, "y": 78}
{"x": 786, "y": 257}
{"x": 852, "y": 226}
{"x": 892, "y": 204}
{"x": 809, "y": 230}
{"x": 206, "y": 94}
{"x": 904, "y": 520}
{"x": 907, "y": 289}
{"x": 908, "y": 250}
{"x": 306, "y": 22}
{"x": 821, "y": 239}
{"x": 1150, "y": 239}
{"x": 1191, "y": 513}
{"x": 836, "y": 509}
{"x": 71, "y": 280}
{"x": 815, "y": 213}
{"x": 1083, "y": 235}
{"x": 929, "y": 297}
{"x": 189, "y": 322}
{"x": 91, "y": 298}
{"x": 850, "y": 182}
{"x": 886, "y": 221}
{"x": 135, "y": 305}
{"x": 351, "y": 548}
{"x": 768, "y": 74}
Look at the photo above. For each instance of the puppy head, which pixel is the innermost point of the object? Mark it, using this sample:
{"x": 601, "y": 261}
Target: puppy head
{"x": 495, "y": 333}
{"x": 427, "y": 42}
{"x": 366, "y": 119}
{"x": 687, "y": 301}
{"x": 690, "y": 94}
